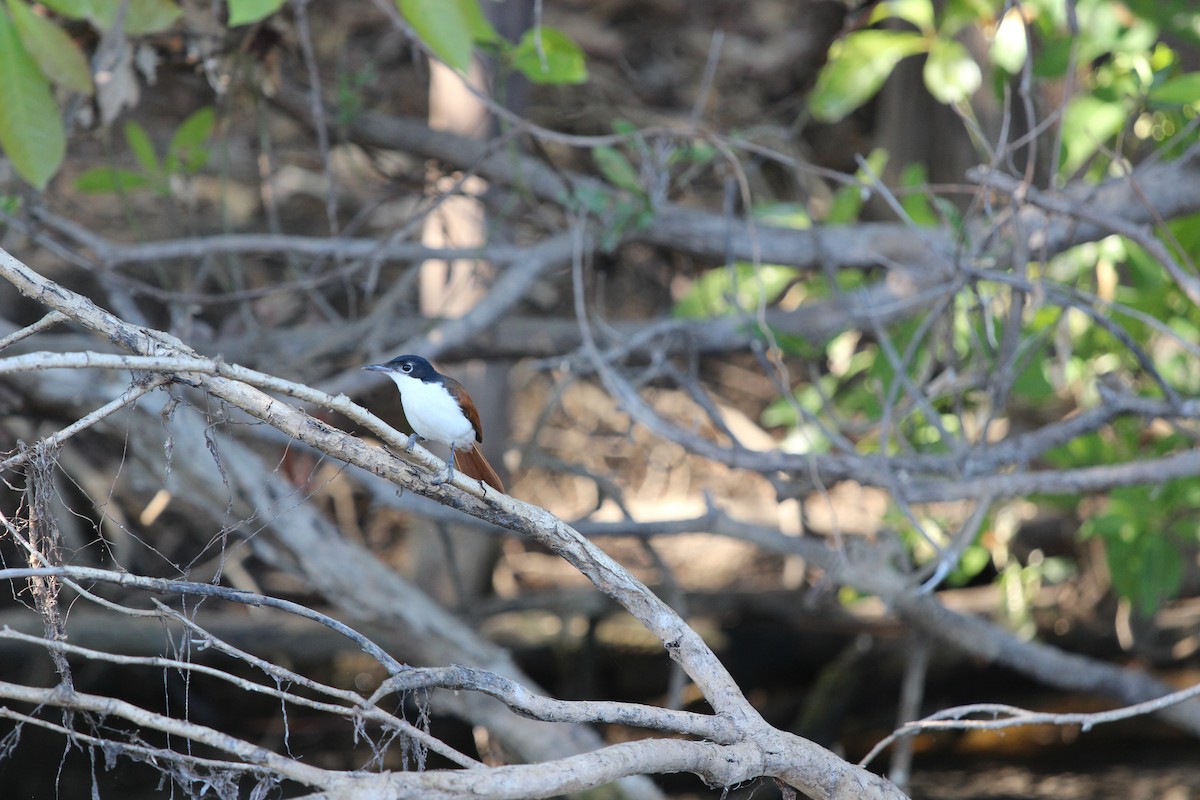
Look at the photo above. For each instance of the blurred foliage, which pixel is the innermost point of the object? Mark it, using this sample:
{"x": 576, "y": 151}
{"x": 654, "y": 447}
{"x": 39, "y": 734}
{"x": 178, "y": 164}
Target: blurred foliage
{"x": 186, "y": 154}
{"x": 452, "y": 29}
{"x": 39, "y": 53}
{"x": 1116, "y": 316}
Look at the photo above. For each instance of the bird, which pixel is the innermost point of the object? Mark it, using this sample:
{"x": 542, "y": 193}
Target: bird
{"x": 439, "y": 409}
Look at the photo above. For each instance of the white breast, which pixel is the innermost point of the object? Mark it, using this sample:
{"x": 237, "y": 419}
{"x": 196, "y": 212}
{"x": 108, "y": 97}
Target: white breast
{"x": 433, "y": 413}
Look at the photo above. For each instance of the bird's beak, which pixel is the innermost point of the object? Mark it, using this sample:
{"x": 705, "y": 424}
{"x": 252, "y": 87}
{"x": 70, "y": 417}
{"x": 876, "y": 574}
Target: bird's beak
{"x": 376, "y": 367}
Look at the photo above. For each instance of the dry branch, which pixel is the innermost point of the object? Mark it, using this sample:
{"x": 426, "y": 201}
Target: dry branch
{"x": 755, "y": 748}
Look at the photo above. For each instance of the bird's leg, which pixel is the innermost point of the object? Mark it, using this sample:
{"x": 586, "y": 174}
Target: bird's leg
{"x": 411, "y": 443}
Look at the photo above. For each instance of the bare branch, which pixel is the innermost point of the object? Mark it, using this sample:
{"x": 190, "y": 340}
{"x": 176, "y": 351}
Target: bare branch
{"x": 61, "y": 697}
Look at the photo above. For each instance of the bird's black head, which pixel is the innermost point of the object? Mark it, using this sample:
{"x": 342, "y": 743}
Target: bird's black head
{"x": 412, "y": 366}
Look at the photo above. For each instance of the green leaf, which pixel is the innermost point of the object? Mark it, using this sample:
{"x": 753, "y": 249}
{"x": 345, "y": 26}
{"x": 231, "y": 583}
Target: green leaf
{"x": 71, "y": 9}
{"x": 478, "y": 26}
{"x": 695, "y": 153}
{"x": 55, "y": 52}
{"x": 1010, "y": 47}
{"x": 1053, "y": 58}
{"x": 857, "y": 68}
{"x": 1161, "y": 573}
{"x": 244, "y": 12}
{"x": 150, "y": 16}
{"x": 915, "y": 203}
{"x": 724, "y": 290}
{"x": 1087, "y": 124}
{"x": 110, "y": 179}
{"x": 1031, "y": 384}
{"x": 142, "y": 17}
{"x": 918, "y": 12}
{"x": 623, "y": 127}
{"x": 1180, "y": 90}
{"x": 616, "y": 169}
{"x": 951, "y": 75}
{"x": 958, "y": 14}
{"x": 1146, "y": 566}
{"x": 848, "y": 200}
{"x": 547, "y": 55}
{"x": 31, "y": 131}
{"x": 443, "y": 27}
{"x": 188, "y": 151}
{"x": 142, "y": 148}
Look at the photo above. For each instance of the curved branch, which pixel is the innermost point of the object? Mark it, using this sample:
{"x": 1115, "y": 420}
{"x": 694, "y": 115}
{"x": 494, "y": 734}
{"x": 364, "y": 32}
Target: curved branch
{"x": 820, "y": 773}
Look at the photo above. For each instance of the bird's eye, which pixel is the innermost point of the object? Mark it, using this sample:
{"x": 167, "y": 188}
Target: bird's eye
{"x": 406, "y": 368}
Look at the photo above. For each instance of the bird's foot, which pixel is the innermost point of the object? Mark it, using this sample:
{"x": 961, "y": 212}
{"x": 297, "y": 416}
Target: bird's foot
{"x": 411, "y": 443}
{"x": 444, "y": 476}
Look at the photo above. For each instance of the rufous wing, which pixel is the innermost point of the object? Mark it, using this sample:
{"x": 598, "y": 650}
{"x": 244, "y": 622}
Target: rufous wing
{"x": 473, "y": 464}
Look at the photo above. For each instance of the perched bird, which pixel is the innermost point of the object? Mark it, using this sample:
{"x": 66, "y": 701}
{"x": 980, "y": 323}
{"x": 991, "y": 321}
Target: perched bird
{"x": 439, "y": 409}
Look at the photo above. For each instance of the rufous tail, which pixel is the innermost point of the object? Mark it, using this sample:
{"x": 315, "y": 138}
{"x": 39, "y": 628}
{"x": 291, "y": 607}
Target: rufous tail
{"x": 473, "y": 464}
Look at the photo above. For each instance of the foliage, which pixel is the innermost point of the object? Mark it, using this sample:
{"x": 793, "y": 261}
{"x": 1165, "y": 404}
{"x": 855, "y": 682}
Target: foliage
{"x": 1135, "y": 80}
{"x": 1125, "y": 315}
{"x": 453, "y": 28}
{"x": 245, "y": 12}
{"x": 1143, "y": 529}
{"x": 37, "y": 53}
{"x": 31, "y": 132}
{"x": 860, "y": 63}
{"x": 186, "y": 154}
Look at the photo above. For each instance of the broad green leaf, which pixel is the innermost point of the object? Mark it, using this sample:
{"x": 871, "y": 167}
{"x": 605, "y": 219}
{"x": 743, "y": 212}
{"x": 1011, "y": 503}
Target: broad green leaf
{"x": 142, "y": 17}
{"x": 1052, "y": 59}
{"x": 951, "y": 75}
{"x": 55, "y": 52}
{"x": 71, "y": 9}
{"x": 857, "y": 68}
{"x": 31, "y": 131}
{"x": 110, "y": 179}
{"x": 480, "y": 28}
{"x": 443, "y": 27}
{"x": 150, "y": 16}
{"x": 1146, "y": 566}
{"x": 142, "y": 147}
{"x": 547, "y": 55}
{"x": 188, "y": 151}
{"x": 918, "y": 12}
{"x": 244, "y": 12}
{"x": 1088, "y": 123}
{"x": 1180, "y": 90}
{"x": 616, "y": 169}
{"x": 1010, "y": 47}
{"x": 958, "y": 14}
